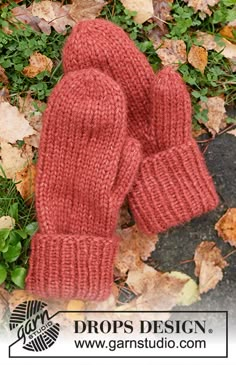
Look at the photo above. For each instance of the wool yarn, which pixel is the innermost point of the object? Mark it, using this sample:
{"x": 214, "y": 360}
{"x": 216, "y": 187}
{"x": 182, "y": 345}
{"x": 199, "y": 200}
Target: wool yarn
{"x": 86, "y": 167}
{"x": 173, "y": 185}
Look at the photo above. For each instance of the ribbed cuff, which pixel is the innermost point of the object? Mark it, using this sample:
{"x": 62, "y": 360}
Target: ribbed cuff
{"x": 70, "y": 266}
{"x": 173, "y": 187}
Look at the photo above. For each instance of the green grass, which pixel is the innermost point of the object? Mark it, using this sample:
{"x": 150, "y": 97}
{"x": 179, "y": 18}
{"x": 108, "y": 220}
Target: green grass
{"x": 15, "y": 51}
{"x": 14, "y": 243}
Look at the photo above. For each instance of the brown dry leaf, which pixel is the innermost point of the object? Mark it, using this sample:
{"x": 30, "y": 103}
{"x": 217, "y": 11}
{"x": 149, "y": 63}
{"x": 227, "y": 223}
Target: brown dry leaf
{"x": 144, "y": 9}
{"x": 138, "y": 279}
{"x": 86, "y": 9}
{"x": 216, "y": 114}
{"x": 26, "y": 185}
{"x": 227, "y": 49}
{"x": 134, "y": 247}
{"x": 13, "y": 125}
{"x": 57, "y": 16}
{"x": 125, "y": 219}
{"x": 226, "y": 227}
{"x": 160, "y": 294}
{"x": 3, "y": 76}
{"x": 4, "y": 95}
{"x": 208, "y": 251}
{"x": 198, "y": 57}
{"x": 14, "y": 159}
{"x": 38, "y": 64}
{"x": 24, "y": 15}
{"x": 202, "y": 5}
{"x": 209, "y": 276}
{"x": 7, "y": 222}
{"x": 4, "y": 296}
{"x": 172, "y": 52}
{"x": 33, "y": 112}
{"x": 52, "y": 14}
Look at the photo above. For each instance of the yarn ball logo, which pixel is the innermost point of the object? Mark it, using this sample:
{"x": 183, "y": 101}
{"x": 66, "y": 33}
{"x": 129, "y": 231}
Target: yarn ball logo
{"x": 33, "y": 325}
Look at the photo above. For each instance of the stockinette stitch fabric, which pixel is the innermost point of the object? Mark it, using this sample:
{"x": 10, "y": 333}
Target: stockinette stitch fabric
{"x": 86, "y": 167}
{"x": 173, "y": 184}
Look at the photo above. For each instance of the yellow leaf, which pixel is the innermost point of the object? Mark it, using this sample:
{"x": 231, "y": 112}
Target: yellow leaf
{"x": 144, "y": 9}
{"x": 76, "y": 305}
{"x": 226, "y": 226}
{"x": 198, "y": 57}
{"x": 190, "y": 292}
{"x": 38, "y": 64}
{"x": 13, "y": 125}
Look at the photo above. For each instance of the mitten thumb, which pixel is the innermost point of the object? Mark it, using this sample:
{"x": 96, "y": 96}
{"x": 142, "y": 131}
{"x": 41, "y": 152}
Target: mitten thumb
{"x": 127, "y": 170}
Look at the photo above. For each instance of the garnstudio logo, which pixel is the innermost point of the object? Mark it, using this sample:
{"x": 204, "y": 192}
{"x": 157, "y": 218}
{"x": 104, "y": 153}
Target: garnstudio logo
{"x": 33, "y": 325}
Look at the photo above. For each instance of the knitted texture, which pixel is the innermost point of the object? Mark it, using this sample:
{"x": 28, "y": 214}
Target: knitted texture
{"x": 85, "y": 169}
{"x": 173, "y": 185}
{"x": 101, "y": 44}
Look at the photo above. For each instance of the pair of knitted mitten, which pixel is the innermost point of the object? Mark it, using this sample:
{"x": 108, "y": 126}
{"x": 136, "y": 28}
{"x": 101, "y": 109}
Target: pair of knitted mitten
{"x": 90, "y": 160}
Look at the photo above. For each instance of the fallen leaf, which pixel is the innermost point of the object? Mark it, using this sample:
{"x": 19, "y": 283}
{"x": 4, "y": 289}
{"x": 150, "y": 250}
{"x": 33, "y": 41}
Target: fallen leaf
{"x": 134, "y": 247}
{"x": 76, "y": 305}
{"x": 202, "y": 5}
{"x": 33, "y": 112}
{"x": 216, "y": 114}
{"x": 208, "y": 41}
{"x": 162, "y": 12}
{"x": 209, "y": 276}
{"x": 198, "y": 57}
{"x": 4, "y": 95}
{"x": 209, "y": 252}
{"x": 125, "y": 219}
{"x": 13, "y": 125}
{"x": 7, "y": 222}
{"x": 38, "y": 64}
{"x": 227, "y": 32}
{"x": 14, "y": 159}
{"x": 139, "y": 279}
{"x": 24, "y": 15}
{"x": 57, "y": 16}
{"x": 3, "y": 76}
{"x": 226, "y": 227}
{"x": 172, "y": 52}
{"x": 26, "y": 182}
{"x": 160, "y": 294}
{"x": 143, "y": 8}
{"x": 190, "y": 292}
{"x": 86, "y": 9}
{"x": 108, "y": 304}
{"x": 4, "y": 296}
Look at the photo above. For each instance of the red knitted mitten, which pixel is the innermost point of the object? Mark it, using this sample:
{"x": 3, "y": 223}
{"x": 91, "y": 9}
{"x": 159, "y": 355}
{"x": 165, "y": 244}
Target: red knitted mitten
{"x": 86, "y": 167}
{"x": 173, "y": 184}
{"x": 101, "y": 44}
